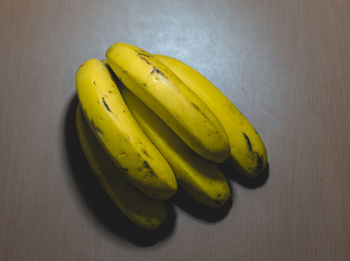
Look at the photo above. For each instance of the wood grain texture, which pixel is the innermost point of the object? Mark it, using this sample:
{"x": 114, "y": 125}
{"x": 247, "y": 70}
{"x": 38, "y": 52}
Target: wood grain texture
{"x": 285, "y": 64}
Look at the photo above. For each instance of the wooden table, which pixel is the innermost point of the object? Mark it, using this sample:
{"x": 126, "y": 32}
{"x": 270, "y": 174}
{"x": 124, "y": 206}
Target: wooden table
{"x": 285, "y": 64}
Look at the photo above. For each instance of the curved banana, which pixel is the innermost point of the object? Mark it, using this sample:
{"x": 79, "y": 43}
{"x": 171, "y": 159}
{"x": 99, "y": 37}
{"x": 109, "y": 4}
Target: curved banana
{"x": 119, "y": 134}
{"x": 144, "y": 211}
{"x": 161, "y": 90}
{"x": 248, "y": 151}
{"x": 200, "y": 178}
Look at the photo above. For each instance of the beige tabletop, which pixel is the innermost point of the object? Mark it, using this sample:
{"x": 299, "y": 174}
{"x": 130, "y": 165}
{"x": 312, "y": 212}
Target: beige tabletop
{"x": 285, "y": 64}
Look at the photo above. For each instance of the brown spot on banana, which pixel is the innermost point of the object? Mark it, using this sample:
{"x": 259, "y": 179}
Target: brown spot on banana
{"x": 248, "y": 142}
{"x": 146, "y": 153}
{"x": 255, "y": 156}
{"x": 95, "y": 128}
{"x": 195, "y": 106}
{"x": 259, "y": 162}
{"x": 150, "y": 172}
{"x": 105, "y": 104}
{"x": 156, "y": 70}
{"x": 146, "y": 60}
{"x": 147, "y": 166}
{"x": 143, "y": 56}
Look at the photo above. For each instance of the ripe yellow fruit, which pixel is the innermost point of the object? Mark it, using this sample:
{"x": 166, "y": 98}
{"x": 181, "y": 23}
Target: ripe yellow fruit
{"x": 119, "y": 134}
{"x": 248, "y": 152}
{"x": 199, "y": 177}
{"x": 168, "y": 97}
{"x": 144, "y": 211}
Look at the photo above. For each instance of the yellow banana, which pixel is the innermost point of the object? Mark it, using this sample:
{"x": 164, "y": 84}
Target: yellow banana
{"x": 161, "y": 90}
{"x": 119, "y": 134}
{"x": 144, "y": 211}
{"x": 200, "y": 178}
{"x": 248, "y": 151}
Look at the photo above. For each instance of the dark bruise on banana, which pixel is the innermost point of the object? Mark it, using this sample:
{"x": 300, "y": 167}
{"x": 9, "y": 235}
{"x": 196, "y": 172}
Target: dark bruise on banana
{"x": 144, "y": 151}
{"x": 254, "y": 155}
{"x": 201, "y": 112}
{"x": 143, "y": 55}
{"x": 105, "y": 104}
{"x": 95, "y": 128}
{"x": 146, "y": 169}
{"x": 156, "y": 70}
{"x": 93, "y": 125}
{"x": 218, "y": 201}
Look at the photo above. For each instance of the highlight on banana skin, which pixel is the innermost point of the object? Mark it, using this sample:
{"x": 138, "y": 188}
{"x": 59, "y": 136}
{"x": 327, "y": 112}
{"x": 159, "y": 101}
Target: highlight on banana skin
{"x": 149, "y": 124}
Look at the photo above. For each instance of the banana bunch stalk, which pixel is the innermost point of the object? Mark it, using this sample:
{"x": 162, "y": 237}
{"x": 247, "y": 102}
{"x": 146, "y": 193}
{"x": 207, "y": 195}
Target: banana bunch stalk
{"x": 148, "y": 123}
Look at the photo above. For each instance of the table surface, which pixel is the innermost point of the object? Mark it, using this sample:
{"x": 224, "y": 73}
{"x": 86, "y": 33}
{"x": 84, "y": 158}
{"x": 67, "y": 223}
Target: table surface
{"x": 284, "y": 64}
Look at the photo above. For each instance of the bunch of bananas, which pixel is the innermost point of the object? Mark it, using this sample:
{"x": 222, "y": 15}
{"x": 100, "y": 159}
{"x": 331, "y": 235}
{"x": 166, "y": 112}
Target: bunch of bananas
{"x": 148, "y": 123}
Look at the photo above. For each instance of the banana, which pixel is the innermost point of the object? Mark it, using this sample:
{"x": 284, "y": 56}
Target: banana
{"x": 161, "y": 90}
{"x": 119, "y": 134}
{"x": 248, "y": 151}
{"x": 144, "y": 211}
{"x": 200, "y": 178}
